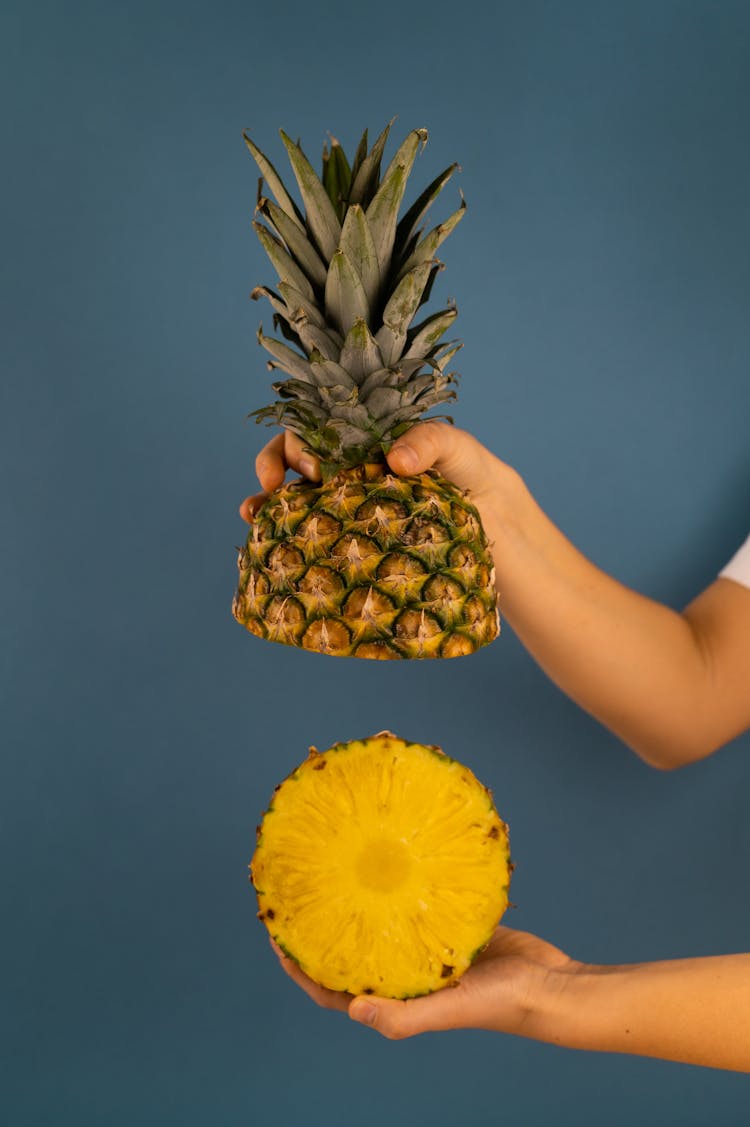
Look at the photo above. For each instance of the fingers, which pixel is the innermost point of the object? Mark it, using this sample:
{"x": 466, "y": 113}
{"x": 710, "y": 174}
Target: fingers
{"x": 393, "y": 1019}
{"x": 284, "y": 451}
{"x": 250, "y": 506}
{"x": 270, "y": 465}
{"x": 328, "y": 999}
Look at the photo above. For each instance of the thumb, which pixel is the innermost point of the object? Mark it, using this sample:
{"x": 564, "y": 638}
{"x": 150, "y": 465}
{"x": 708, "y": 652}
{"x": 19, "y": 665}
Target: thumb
{"x": 454, "y": 453}
{"x": 384, "y": 1014}
{"x": 397, "y": 1020}
{"x": 420, "y": 448}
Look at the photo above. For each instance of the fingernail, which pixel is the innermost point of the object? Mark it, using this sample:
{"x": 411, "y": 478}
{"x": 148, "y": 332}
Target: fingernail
{"x": 364, "y": 1012}
{"x": 307, "y": 467}
{"x": 407, "y": 455}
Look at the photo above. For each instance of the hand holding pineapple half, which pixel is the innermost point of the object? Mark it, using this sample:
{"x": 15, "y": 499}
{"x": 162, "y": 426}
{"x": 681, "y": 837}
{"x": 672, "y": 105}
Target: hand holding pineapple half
{"x": 366, "y": 563}
{"x": 382, "y": 867}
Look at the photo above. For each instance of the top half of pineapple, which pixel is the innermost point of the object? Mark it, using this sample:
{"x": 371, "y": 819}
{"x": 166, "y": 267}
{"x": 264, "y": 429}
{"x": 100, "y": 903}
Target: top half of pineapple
{"x": 365, "y": 563}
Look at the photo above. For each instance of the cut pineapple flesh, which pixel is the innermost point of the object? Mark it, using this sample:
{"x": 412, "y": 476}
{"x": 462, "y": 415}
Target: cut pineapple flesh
{"x": 382, "y": 867}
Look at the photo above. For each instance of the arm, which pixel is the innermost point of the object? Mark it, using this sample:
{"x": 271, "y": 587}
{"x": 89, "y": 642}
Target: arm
{"x": 673, "y": 686}
{"x": 692, "y": 1010}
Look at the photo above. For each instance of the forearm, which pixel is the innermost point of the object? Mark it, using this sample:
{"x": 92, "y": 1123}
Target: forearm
{"x": 634, "y": 664}
{"x": 692, "y": 1010}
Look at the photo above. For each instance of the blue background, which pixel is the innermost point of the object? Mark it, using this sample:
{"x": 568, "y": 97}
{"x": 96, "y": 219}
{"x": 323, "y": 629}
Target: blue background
{"x": 602, "y": 275}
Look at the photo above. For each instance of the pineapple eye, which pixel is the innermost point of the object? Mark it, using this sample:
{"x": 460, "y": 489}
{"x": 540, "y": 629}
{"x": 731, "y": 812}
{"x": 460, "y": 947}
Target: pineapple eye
{"x": 319, "y": 528}
{"x": 370, "y": 607}
{"x": 415, "y": 625}
{"x": 422, "y": 533}
{"x": 328, "y": 636}
{"x": 284, "y": 563}
{"x": 381, "y": 513}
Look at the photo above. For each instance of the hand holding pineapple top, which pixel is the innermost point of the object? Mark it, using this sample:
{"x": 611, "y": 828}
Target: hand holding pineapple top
{"x": 673, "y": 687}
{"x": 366, "y": 563}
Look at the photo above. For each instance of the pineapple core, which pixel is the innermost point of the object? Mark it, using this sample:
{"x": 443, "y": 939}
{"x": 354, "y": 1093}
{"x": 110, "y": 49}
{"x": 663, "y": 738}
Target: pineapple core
{"x": 382, "y": 867}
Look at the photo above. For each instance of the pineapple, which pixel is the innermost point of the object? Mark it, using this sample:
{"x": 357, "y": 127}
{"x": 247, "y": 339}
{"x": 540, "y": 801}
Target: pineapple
{"x": 367, "y": 563}
{"x": 382, "y": 867}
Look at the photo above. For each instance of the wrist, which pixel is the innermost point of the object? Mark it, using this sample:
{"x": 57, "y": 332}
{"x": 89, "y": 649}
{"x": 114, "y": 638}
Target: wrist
{"x": 504, "y": 503}
{"x": 556, "y": 1005}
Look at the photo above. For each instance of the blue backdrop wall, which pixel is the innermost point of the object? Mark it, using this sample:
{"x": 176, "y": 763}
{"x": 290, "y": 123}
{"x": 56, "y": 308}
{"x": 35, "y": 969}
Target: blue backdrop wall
{"x": 602, "y": 276}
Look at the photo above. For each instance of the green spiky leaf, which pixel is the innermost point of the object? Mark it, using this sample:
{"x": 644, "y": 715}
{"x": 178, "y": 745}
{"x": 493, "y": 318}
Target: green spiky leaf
{"x": 322, "y": 220}
{"x": 300, "y": 247}
{"x": 345, "y": 297}
{"x": 365, "y": 181}
{"x": 383, "y": 211}
{"x": 282, "y": 261}
{"x": 358, "y": 246}
{"x": 275, "y": 183}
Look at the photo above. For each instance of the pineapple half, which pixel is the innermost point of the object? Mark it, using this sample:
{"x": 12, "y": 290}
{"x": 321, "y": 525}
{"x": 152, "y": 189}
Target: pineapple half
{"x": 366, "y": 564}
{"x": 382, "y": 867}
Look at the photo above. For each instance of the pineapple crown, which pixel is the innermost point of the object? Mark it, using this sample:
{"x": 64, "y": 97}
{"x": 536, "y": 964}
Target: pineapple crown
{"x": 351, "y": 279}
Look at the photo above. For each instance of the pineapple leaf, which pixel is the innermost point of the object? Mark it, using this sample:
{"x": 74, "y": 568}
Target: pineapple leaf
{"x": 297, "y": 389}
{"x": 282, "y": 261}
{"x": 430, "y": 243}
{"x": 297, "y": 242}
{"x": 300, "y": 305}
{"x": 406, "y": 298}
{"x": 327, "y": 373}
{"x": 333, "y": 395}
{"x": 360, "y": 354}
{"x": 382, "y": 377}
{"x": 337, "y": 177}
{"x": 384, "y": 401}
{"x": 282, "y": 325}
{"x": 315, "y": 339}
{"x": 357, "y": 244}
{"x": 275, "y": 300}
{"x": 419, "y": 208}
{"x": 367, "y": 177}
{"x": 345, "y": 297}
{"x": 321, "y": 218}
{"x": 383, "y": 210}
{"x": 429, "y": 331}
{"x": 445, "y": 354}
{"x": 399, "y": 312}
{"x": 275, "y": 183}
{"x": 359, "y": 157}
{"x": 406, "y": 152}
{"x": 286, "y": 357}
{"x": 436, "y": 268}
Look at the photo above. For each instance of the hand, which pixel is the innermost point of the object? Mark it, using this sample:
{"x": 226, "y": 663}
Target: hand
{"x": 453, "y": 452}
{"x": 504, "y": 990}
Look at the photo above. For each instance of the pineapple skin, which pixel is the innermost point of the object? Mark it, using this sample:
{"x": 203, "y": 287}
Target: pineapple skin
{"x": 379, "y": 955}
{"x": 369, "y": 564}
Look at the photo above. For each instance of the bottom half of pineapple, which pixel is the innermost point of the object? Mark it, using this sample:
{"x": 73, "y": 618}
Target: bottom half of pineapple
{"x": 382, "y": 867}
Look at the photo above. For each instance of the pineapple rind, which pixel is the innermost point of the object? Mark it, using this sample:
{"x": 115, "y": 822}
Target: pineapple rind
{"x": 369, "y": 559}
{"x": 421, "y": 932}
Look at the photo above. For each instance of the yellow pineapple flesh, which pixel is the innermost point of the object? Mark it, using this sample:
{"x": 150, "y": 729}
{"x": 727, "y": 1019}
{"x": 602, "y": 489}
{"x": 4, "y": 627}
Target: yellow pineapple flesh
{"x": 382, "y": 867}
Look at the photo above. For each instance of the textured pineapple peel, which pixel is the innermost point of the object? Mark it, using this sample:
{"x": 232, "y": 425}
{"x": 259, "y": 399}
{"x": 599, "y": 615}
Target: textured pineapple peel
{"x": 382, "y": 867}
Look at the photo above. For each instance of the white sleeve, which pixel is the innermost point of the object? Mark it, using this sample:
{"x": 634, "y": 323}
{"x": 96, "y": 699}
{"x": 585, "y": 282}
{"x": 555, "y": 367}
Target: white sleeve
{"x": 738, "y": 567}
